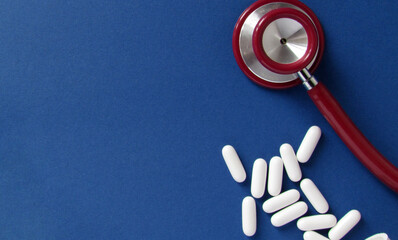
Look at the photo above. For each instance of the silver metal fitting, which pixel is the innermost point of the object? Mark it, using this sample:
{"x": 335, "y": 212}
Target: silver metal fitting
{"x": 309, "y": 81}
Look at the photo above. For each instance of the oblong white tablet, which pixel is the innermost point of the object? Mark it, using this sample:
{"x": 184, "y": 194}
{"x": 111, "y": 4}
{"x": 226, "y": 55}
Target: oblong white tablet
{"x": 234, "y": 164}
{"x": 249, "y": 216}
{"x": 308, "y": 144}
{"x": 344, "y": 225}
{"x": 289, "y": 214}
{"x": 313, "y": 195}
{"x": 282, "y": 200}
{"x": 275, "y": 176}
{"x": 290, "y": 162}
{"x": 379, "y": 236}
{"x": 316, "y": 222}
{"x": 310, "y": 235}
{"x": 259, "y": 178}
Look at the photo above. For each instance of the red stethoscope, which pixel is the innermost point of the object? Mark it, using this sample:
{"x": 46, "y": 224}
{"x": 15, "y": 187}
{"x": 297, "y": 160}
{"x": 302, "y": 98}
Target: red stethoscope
{"x": 278, "y": 44}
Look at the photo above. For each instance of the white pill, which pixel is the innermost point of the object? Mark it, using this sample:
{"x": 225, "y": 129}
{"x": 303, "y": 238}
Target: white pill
{"x": 282, "y": 200}
{"x": 289, "y": 214}
{"x": 234, "y": 164}
{"x": 259, "y": 178}
{"x": 313, "y": 195}
{"x": 344, "y": 225}
{"x": 379, "y": 236}
{"x": 275, "y": 176}
{"x": 290, "y": 162}
{"x": 310, "y": 235}
{"x": 308, "y": 144}
{"x": 249, "y": 216}
{"x": 316, "y": 222}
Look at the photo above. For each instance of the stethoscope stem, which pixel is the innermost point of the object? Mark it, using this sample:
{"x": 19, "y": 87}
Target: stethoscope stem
{"x": 309, "y": 81}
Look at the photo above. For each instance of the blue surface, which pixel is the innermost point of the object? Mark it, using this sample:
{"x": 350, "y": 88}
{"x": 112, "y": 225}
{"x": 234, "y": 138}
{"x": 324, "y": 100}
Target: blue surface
{"x": 113, "y": 115}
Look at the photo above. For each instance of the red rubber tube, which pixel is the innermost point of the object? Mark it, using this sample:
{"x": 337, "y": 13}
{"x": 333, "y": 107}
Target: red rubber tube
{"x": 353, "y": 138}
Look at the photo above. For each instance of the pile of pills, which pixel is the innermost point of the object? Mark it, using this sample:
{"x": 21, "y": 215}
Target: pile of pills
{"x": 285, "y": 207}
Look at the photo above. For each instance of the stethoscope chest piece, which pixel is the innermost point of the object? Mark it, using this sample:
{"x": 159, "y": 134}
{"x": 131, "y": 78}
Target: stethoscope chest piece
{"x": 272, "y": 39}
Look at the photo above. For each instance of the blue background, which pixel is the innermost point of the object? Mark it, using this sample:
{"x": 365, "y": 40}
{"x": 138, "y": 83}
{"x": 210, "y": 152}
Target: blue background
{"x": 113, "y": 115}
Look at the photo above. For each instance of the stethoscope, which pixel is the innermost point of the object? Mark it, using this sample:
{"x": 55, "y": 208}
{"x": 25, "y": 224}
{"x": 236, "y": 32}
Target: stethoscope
{"x": 278, "y": 44}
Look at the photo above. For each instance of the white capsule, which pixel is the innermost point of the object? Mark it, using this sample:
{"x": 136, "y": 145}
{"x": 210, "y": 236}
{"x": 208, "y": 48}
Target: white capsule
{"x": 234, "y": 164}
{"x": 290, "y": 162}
{"x": 259, "y": 178}
{"x": 344, "y": 225}
{"x": 308, "y": 144}
{"x": 379, "y": 236}
{"x": 289, "y": 214}
{"x": 282, "y": 200}
{"x": 310, "y": 235}
{"x": 249, "y": 216}
{"x": 316, "y": 222}
{"x": 313, "y": 195}
{"x": 275, "y": 176}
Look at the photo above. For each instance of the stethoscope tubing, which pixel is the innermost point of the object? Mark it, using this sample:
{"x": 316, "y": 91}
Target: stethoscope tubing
{"x": 353, "y": 138}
